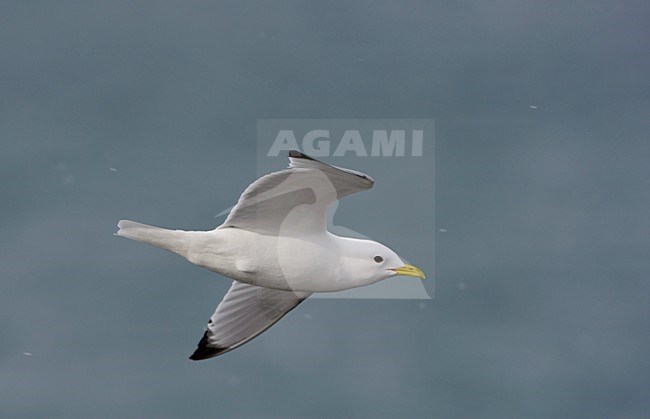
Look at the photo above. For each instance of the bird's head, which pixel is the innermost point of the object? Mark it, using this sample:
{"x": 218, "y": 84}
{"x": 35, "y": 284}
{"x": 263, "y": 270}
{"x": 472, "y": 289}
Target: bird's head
{"x": 372, "y": 262}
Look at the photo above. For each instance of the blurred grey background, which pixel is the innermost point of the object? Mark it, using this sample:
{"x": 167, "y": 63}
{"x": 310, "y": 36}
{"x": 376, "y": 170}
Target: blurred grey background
{"x": 147, "y": 110}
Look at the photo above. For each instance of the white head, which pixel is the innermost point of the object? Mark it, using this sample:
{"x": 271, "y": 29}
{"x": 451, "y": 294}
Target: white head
{"x": 365, "y": 262}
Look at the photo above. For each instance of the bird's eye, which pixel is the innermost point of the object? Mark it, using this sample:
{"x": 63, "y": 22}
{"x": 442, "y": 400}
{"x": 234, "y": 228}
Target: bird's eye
{"x": 379, "y": 259}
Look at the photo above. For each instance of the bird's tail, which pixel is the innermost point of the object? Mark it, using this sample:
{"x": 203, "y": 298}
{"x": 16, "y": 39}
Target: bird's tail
{"x": 173, "y": 240}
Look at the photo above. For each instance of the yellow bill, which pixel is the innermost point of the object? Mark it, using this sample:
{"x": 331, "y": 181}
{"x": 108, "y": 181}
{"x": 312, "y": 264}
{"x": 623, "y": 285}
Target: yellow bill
{"x": 410, "y": 270}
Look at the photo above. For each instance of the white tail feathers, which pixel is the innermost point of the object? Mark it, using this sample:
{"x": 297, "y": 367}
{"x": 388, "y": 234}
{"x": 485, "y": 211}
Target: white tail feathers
{"x": 173, "y": 240}
{"x": 132, "y": 224}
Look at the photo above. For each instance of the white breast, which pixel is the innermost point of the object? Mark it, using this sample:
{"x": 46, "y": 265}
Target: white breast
{"x": 279, "y": 262}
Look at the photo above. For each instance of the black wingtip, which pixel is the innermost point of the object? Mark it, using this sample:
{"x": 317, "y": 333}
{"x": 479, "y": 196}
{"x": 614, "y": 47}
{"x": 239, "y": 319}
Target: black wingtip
{"x": 299, "y": 155}
{"x": 204, "y": 351}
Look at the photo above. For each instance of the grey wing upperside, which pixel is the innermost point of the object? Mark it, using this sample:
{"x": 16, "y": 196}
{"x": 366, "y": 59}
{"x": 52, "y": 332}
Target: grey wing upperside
{"x": 294, "y": 200}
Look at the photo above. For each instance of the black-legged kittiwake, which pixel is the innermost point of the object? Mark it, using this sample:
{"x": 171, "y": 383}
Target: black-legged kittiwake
{"x": 275, "y": 246}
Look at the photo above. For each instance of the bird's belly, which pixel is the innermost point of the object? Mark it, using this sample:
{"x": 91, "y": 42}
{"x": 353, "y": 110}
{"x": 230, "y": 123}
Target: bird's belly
{"x": 285, "y": 263}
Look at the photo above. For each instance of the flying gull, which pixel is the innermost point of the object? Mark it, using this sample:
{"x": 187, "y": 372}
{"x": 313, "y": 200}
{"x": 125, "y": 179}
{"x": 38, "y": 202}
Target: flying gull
{"x": 275, "y": 246}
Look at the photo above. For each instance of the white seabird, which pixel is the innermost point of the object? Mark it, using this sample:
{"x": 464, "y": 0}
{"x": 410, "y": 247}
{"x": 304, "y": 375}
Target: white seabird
{"x": 275, "y": 246}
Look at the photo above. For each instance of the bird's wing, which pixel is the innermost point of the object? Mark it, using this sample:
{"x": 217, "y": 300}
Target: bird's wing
{"x": 245, "y": 312}
{"x": 294, "y": 200}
